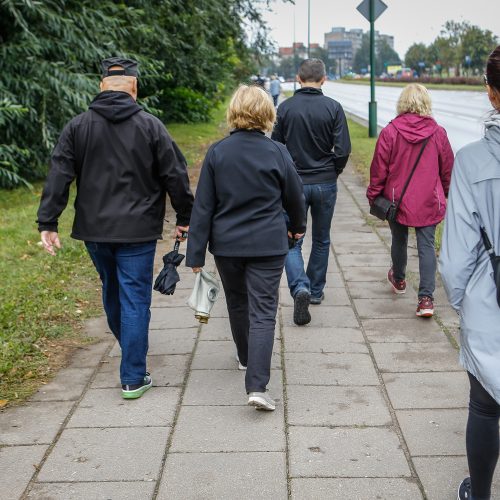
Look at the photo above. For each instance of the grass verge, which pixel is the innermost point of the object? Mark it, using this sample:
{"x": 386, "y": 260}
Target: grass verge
{"x": 44, "y": 300}
{"x": 433, "y": 86}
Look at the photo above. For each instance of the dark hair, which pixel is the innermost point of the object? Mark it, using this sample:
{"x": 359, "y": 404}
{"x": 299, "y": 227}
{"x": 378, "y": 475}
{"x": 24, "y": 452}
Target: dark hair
{"x": 312, "y": 70}
{"x": 493, "y": 69}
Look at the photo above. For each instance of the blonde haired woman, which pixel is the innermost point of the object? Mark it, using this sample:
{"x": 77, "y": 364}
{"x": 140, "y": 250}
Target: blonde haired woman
{"x": 412, "y": 133}
{"x": 246, "y": 183}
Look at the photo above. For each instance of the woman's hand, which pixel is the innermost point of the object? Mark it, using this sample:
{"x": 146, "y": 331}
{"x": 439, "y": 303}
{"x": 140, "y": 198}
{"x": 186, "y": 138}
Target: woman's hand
{"x": 296, "y": 236}
{"x": 197, "y": 269}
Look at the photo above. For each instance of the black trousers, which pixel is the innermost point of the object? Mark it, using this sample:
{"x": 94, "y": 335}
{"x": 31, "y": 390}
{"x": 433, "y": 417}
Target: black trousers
{"x": 482, "y": 439}
{"x": 251, "y": 285}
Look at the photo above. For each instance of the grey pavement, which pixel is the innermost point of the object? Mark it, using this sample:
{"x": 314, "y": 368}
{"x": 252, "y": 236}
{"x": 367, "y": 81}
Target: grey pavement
{"x": 371, "y": 401}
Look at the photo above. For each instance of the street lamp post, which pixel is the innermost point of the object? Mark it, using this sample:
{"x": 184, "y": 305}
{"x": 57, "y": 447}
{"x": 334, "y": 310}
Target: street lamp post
{"x": 308, "y": 29}
{"x": 372, "y": 110}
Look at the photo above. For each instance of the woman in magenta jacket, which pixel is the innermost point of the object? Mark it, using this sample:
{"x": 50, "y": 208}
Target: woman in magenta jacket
{"x": 424, "y": 203}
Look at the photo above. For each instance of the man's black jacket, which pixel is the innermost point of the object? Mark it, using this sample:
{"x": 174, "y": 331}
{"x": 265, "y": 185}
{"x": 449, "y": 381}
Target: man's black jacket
{"x": 246, "y": 182}
{"x": 314, "y": 129}
{"x": 124, "y": 163}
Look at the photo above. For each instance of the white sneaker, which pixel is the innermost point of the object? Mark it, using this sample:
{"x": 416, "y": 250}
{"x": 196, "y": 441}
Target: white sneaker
{"x": 261, "y": 401}
{"x": 240, "y": 366}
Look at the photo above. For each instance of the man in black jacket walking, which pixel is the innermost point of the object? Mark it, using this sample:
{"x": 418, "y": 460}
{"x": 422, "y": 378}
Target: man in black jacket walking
{"x": 314, "y": 129}
{"x": 125, "y": 163}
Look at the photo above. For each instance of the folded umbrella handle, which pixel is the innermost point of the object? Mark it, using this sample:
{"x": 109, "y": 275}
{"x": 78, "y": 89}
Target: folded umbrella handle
{"x": 178, "y": 241}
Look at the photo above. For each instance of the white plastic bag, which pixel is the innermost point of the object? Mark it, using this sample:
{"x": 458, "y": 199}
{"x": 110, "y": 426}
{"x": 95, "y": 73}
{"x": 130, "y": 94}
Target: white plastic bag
{"x": 204, "y": 294}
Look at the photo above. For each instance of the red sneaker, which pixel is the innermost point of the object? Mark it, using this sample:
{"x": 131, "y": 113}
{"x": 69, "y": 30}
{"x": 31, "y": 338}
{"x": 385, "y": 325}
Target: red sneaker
{"x": 425, "y": 308}
{"x": 398, "y": 287}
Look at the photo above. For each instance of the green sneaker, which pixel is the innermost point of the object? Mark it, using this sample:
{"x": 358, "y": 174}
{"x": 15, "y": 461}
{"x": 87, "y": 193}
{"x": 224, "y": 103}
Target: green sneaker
{"x": 135, "y": 391}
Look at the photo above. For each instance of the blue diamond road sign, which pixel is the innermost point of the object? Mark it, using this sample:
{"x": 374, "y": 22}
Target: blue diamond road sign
{"x": 364, "y": 9}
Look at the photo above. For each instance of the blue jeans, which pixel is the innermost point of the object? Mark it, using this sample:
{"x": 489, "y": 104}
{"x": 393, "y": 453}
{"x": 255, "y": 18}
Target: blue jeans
{"x": 320, "y": 198}
{"x": 126, "y": 272}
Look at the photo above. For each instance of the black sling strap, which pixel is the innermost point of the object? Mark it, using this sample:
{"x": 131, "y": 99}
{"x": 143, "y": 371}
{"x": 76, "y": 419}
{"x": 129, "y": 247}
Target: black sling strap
{"x": 412, "y": 172}
{"x": 495, "y": 260}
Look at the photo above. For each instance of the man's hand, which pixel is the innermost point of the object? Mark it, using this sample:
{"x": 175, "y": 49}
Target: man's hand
{"x": 50, "y": 239}
{"x": 178, "y": 233}
{"x": 197, "y": 269}
{"x": 296, "y": 236}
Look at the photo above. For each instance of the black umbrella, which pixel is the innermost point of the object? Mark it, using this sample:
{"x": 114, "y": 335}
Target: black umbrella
{"x": 168, "y": 277}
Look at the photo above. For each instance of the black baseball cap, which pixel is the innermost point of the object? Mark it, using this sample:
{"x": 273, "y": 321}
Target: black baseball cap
{"x": 129, "y": 67}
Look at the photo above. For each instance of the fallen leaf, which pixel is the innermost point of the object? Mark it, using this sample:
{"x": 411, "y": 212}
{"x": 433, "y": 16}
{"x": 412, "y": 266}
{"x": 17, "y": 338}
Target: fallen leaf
{"x": 3, "y": 402}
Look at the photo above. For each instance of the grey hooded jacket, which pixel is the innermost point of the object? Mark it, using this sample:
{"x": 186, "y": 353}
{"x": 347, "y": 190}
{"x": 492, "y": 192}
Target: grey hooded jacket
{"x": 474, "y": 200}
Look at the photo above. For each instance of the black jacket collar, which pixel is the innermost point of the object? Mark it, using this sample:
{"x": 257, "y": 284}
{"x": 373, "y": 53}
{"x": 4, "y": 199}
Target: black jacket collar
{"x": 252, "y": 130}
{"x": 309, "y": 90}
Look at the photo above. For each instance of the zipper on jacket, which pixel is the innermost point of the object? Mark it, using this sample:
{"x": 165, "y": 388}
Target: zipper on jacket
{"x": 393, "y": 196}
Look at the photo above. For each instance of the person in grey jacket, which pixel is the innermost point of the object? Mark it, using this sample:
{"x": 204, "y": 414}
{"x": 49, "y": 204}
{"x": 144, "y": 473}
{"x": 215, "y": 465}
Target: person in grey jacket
{"x": 246, "y": 182}
{"x": 474, "y": 202}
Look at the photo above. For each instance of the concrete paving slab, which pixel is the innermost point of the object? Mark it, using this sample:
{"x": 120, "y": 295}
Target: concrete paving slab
{"x": 33, "y": 423}
{"x": 221, "y": 355}
{"x": 441, "y": 476}
{"x": 180, "y": 317}
{"x": 389, "y": 307}
{"x": 172, "y": 341}
{"x": 427, "y": 390}
{"x": 416, "y": 357}
{"x": 402, "y": 330}
{"x": 336, "y": 406}
{"x": 179, "y": 299}
{"x": 108, "y": 490}
{"x": 324, "y": 340}
{"x": 166, "y": 371}
{"x": 434, "y": 432}
{"x": 228, "y": 428}
{"x": 225, "y": 387}
{"x": 323, "y": 317}
{"x": 88, "y": 356}
{"x": 224, "y": 476}
{"x": 67, "y": 385}
{"x": 216, "y": 329}
{"x": 346, "y": 248}
{"x": 219, "y": 310}
{"x": 333, "y": 297}
{"x": 365, "y": 274}
{"x": 106, "y": 408}
{"x": 341, "y": 452}
{"x": 355, "y": 489}
{"x": 354, "y": 238}
{"x": 330, "y": 369}
{"x": 376, "y": 290}
{"x": 18, "y": 464}
{"x": 365, "y": 260}
{"x": 168, "y": 341}
{"x": 119, "y": 454}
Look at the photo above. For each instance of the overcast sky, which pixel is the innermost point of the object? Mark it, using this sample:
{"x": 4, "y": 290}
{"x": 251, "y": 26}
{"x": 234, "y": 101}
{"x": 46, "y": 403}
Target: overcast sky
{"x": 408, "y": 20}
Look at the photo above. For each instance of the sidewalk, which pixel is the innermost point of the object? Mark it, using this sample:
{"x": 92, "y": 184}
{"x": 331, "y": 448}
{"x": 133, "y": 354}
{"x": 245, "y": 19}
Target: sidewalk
{"x": 371, "y": 400}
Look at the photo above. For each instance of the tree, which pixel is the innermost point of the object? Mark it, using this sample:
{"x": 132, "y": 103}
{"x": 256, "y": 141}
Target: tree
{"x": 476, "y": 45}
{"x": 386, "y": 56}
{"x": 417, "y": 54}
{"x": 361, "y": 60}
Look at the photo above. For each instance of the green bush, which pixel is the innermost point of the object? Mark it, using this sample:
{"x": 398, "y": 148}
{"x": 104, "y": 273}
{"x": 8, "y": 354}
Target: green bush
{"x": 185, "y": 105}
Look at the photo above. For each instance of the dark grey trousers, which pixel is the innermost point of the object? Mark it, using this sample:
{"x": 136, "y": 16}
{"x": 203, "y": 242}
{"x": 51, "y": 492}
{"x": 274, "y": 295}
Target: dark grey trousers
{"x": 426, "y": 256}
{"x": 251, "y": 285}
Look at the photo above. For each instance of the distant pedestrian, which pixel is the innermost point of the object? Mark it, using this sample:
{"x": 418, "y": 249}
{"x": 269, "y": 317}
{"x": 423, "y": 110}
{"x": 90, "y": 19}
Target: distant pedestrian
{"x": 467, "y": 273}
{"x": 411, "y": 133}
{"x": 124, "y": 163}
{"x": 314, "y": 129}
{"x": 246, "y": 182}
{"x": 275, "y": 89}
{"x": 260, "y": 81}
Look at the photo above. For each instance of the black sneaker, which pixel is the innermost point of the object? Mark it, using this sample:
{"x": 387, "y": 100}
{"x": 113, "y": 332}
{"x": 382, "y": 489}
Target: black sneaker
{"x": 464, "y": 490}
{"x": 301, "y": 314}
{"x": 316, "y": 300}
{"x": 135, "y": 391}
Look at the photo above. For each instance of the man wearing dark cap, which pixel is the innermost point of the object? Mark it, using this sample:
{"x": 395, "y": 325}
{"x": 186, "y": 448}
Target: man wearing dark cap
{"x": 124, "y": 163}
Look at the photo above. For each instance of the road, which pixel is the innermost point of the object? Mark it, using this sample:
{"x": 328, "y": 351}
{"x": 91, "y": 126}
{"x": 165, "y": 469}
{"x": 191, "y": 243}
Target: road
{"x": 461, "y": 113}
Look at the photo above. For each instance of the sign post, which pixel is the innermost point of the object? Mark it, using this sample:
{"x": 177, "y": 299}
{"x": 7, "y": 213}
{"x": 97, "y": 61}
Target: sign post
{"x": 371, "y": 10}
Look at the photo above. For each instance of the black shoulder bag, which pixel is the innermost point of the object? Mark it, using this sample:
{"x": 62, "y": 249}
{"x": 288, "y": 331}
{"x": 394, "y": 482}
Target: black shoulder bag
{"x": 495, "y": 261}
{"x": 386, "y": 209}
